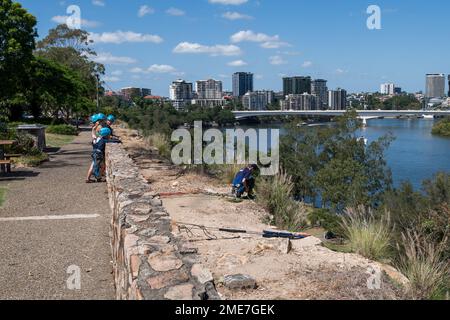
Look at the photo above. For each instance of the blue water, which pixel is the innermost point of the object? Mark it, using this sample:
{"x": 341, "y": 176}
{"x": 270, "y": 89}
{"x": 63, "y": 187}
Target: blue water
{"x": 416, "y": 154}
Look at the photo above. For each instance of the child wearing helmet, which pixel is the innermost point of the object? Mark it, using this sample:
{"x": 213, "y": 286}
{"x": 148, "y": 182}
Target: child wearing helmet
{"x": 98, "y": 155}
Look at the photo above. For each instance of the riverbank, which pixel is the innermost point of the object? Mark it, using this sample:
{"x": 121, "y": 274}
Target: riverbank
{"x": 279, "y": 268}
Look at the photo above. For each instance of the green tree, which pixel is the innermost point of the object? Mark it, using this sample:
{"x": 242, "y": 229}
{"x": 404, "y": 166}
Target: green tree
{"x": 17, "y": 34}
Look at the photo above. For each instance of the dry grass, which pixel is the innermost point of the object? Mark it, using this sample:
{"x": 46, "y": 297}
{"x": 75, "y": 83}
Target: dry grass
{"x": 367, "y": 236}
{"x": 423, "y": 264}
{"x": 160, "y": 142}
{"x": 275, "y": 194}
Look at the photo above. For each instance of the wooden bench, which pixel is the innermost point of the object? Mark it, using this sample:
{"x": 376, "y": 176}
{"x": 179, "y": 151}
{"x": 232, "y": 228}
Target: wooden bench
{"x": 5, "y": 166}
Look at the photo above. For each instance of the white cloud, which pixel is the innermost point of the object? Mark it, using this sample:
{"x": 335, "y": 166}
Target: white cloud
{"x": 111, "y": 79}
{"x": 274, "y": 44}
{"x": 307, "y": 64}
{"x": 228, "y": 2}
{"x": 267, "y": 42}
{"x": 277, "y": 60}
{"x": 108, "y": 58}
{"x": 341, "y": 71}
{"x": 259, "y": 76}
{"x": 237, "y": 63}
{"x": 236, "y": 16}
{"x": 156, "y": 68}
{"x": 216, "y": 50}
{"x": 117, "y": 73}
{"x": 145, "y": 10}
{"x": 119, "y": 37}
{"x": 84, "y": 22}
{"x": 251, "y": 36}
{"x": 175, "y": 12}
{"x": 98, "y": 3}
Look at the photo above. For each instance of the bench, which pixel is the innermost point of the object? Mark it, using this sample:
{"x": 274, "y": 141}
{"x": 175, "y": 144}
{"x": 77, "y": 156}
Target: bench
{"x": 5, "y": 166}
{"x": 6, "y": 163}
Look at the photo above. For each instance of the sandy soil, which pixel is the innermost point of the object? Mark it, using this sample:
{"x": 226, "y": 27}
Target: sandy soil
{"x": 307, "y": 271}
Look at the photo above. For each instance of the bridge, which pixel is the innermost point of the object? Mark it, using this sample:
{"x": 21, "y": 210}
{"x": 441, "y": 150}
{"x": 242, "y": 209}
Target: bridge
{"x": 363, "y": 114}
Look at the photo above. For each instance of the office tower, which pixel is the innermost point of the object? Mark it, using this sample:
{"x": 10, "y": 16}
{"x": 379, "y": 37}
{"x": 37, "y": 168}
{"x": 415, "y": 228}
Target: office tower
{"x": 435, "y": 87}
{"x": 448, "y": 86}
{"x": 146, "y": 92}
{"x": 387, "y": 89}
{"x": 398, "y": 90}
{"x": 296, "y": 85}
{"x": 209, "y": 89}
{"x": 257, "y": 100}
{"x": 320, "y": 90}
{"x": 242, "y": 83}
{"x": 337, "y": 99}
{"x": 303, "y": 101}
{"x": 181, "y": 93}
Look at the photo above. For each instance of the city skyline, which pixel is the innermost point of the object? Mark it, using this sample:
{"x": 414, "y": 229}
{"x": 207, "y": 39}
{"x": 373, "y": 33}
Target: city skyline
{"x": 151, "y": 43}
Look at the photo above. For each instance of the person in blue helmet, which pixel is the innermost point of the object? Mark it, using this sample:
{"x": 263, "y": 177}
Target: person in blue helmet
{"x": 98, "y": 155}
{"x": 110, "y": 120}
{"x": 244, "y": 181}
{"x": 98, "y": 121}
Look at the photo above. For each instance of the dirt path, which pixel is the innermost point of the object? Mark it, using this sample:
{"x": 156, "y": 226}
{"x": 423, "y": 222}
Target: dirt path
{"x": 52, "y": 220}
{"x": 307, "y": 271}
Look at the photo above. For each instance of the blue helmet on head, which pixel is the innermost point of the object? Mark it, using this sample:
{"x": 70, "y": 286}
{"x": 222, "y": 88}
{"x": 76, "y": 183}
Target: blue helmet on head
{"x": 104, "y": 132}
{"x": 101, "y": 117}
{"x": 111, "y": 118}
{"x": 94, "y": 118}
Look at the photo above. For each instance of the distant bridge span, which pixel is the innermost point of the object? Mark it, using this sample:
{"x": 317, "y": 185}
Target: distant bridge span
{"x": 364, "y": 114}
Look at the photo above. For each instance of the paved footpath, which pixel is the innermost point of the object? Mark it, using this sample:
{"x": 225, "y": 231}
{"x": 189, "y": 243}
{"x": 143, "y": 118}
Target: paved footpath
{"x": 53, "y": 220}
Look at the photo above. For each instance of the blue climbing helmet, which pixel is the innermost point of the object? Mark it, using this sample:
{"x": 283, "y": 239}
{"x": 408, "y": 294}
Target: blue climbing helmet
{"x": 94, "y": 118}
{"x": 101, "y": 117}
{"x": 104, "y": 132}
{"x": 111, "y": 118}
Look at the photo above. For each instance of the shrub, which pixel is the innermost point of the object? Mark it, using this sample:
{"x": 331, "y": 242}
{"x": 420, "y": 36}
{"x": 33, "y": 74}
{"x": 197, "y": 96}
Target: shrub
{"x": 227, "y": 172}
{"x": 326, "y": 219}
{"x": 275, "y": 194}
{"x": 424, "y": 265}
{"x": 63, "y": 129}
{"x": 367, "y": 235}
{"x": 23, "y": 143}
{"x": 160, "y": 142}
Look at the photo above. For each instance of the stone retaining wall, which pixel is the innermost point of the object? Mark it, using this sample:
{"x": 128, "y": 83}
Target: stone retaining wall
{"x": 149, "y": 262}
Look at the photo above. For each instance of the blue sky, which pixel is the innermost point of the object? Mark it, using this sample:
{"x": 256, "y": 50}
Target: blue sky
{"x": 149, "y": 43}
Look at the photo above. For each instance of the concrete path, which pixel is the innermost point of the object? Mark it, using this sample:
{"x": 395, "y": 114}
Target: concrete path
{"x": 53, "y": 223}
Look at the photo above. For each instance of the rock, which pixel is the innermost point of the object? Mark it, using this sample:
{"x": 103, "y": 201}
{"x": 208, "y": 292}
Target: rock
{"x": 159, "y": 239}
{"x": 285, "y": 246}
{"x": 138, "y": 219}
{"x": 168, "y": 279}
{"x": 175, "y": 184}
{"x": 164, "y": 262}
{"x": 188, "y": 250}
{"x": 150, "y": 232}
{"x": 156, "y": 203}
{"x": 203, "y": 275}
{"x": 135, "y": 263}
{"x": 181, "y": 292}
{"x": 239, "y": 281}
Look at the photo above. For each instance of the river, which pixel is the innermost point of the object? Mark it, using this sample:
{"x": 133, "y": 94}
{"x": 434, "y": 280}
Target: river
{"x": 415, "y": 155}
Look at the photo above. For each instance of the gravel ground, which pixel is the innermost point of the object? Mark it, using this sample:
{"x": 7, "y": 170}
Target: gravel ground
{"x": 35, "y": 255}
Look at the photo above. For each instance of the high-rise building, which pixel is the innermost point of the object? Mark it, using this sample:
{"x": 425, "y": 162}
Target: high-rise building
{"x": 209, "y": 89}
{"x": 387, "y": 89}
{"x": 132, "y": 92}
{"x": 337, "y": 99}
{"x": 296, "y": 85}
{"x": 435, "y": 86}
{"x": 257, "y": 100}
{"x": 398, "y": 90}
{"x": 181, "y": 93}
{"x": 303, "y": 101}
{"x": 448, "y": 86}
{"x": 320, "y": 90}
{"x": 242, "y": 83}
